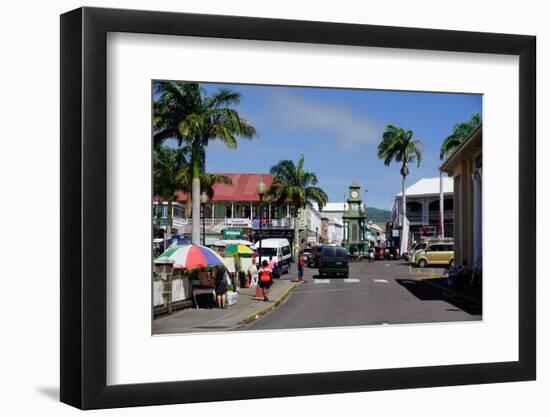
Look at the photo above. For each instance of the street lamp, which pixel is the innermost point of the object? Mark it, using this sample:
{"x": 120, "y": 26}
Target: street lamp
{"x": 204, "y": 200}
{"x": 261, "y": 189}
{"x": 365, "y": 224}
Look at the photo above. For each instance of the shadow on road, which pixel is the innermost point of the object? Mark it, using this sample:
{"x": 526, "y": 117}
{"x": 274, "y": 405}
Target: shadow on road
{"x": 426, "y": 292}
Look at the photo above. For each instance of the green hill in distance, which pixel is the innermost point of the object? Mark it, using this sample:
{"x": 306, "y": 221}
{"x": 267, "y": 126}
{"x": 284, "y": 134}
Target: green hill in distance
{"x": 378, "y": 215}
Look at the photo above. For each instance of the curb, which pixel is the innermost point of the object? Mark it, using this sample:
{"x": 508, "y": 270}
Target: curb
{"x": 455, "y": 293}
{"x": 264, "y": 310}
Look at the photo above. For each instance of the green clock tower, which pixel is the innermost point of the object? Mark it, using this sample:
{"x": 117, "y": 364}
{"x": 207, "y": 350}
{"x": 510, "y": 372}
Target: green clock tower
{"x": 354, "y": 218}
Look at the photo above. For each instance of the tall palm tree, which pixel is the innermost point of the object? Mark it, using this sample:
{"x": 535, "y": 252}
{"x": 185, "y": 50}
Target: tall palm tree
{"x": 397, "y": 145}
{"x": 173, "y": 172}
{"x": 460, "y": 132}
{"x": 185, "y": 112}
{"x": 292, "y": 184}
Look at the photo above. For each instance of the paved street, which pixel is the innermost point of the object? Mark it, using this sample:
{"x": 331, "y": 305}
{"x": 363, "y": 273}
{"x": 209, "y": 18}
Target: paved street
{"x": 378, "y": 293}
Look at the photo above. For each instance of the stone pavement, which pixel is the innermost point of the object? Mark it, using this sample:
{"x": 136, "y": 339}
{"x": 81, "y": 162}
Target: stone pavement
{"x": 247, "y": 309}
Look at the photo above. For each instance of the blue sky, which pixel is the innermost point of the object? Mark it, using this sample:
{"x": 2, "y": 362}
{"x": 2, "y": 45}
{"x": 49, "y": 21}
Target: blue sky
{"x": 338, "y": 131}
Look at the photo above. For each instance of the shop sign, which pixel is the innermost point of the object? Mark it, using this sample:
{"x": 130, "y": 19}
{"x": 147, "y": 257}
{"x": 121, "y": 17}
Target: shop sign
{"x": 238, "y": 222}
{"x": 232, "y": 233}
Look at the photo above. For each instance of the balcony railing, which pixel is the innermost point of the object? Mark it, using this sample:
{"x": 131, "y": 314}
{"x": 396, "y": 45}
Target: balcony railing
{"x": 217, "y": 224}
{"x": 418, "y": 217}
{"x": 447, "y": 214}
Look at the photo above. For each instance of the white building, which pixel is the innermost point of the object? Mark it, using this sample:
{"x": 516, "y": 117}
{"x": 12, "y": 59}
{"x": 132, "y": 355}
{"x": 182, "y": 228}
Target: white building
{"x": 422, "y": 200}
{"x": 334, "y": 232}
{"x": 333, "y": 210}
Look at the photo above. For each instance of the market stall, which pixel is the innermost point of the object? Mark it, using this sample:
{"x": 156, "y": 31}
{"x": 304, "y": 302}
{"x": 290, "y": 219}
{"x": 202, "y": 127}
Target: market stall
{"x": 197, "y": 263}
{"x": 243, "y": 257}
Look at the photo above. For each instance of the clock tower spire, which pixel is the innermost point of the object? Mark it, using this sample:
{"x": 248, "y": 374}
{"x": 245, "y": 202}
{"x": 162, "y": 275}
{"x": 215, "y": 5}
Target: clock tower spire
{"x": 354, "y": 219}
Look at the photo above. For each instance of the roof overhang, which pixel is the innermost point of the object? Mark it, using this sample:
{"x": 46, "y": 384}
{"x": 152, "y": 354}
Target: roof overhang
{"x": 470, "y": 144}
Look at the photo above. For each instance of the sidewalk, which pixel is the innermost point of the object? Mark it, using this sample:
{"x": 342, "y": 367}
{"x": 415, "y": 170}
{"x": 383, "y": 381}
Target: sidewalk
{"x": 464, "y": 290}
{"x": 247, "y": 309}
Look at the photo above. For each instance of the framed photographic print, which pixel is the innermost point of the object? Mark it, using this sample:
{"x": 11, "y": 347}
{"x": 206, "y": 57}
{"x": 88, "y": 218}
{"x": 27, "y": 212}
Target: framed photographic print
{"x": 257, "y": 208}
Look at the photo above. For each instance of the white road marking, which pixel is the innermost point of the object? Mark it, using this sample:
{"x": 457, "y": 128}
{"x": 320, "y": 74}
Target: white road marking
{"x": 381, "y": 280}
{"x": 321, "y": 281}
{"x": 351, "y": 280}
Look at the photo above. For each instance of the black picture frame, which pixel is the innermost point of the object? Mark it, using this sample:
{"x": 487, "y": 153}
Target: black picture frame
{"x": 84, "y": 207}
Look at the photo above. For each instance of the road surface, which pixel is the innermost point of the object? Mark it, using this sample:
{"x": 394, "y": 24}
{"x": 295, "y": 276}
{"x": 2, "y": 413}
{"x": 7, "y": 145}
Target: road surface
{"x": 377, "y": 293}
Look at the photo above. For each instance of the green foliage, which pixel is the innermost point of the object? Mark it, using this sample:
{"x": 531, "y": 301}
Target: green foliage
{"x": 292, "y": 183}
{"x": 185, "y": 112}
{"x": 172, "y": 171}
{"x": 460, "y": 132}
{"x": 397, "y": 145}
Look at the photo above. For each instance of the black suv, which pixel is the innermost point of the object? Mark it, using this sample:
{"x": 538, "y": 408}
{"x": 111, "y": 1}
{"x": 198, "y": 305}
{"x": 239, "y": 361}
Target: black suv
{"x": 333, "y": 260}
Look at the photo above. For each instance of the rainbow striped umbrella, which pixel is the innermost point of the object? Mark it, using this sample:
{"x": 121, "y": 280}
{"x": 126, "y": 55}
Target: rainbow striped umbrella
{"x": 191, "y": 256}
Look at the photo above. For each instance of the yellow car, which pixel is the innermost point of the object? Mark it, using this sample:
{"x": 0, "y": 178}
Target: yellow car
{"x": 434, "y": 254}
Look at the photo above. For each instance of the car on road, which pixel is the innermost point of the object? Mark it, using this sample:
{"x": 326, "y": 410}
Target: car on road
{"x": 308, "y": 253}
{"x": 436, "y": 253}
{"x": 333, "y": 260}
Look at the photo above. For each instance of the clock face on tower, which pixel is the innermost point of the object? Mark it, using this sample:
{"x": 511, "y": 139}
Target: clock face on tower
{"x": 354, "y": 194}
{"x": 354, "y": 207}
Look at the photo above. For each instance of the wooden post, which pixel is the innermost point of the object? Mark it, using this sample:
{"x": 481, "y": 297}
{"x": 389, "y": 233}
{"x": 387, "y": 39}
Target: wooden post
{"x": 167, "y": 278}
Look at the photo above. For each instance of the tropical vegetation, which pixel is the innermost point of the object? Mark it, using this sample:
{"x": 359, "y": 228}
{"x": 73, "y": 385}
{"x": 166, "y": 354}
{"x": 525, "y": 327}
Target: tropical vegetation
{"x": 397, "y": 145}
{"x": 460, "y": 132}
{"x": 293, "y": 184}
{"x": 172, "y": 171}
{"x": 186, "y": 113}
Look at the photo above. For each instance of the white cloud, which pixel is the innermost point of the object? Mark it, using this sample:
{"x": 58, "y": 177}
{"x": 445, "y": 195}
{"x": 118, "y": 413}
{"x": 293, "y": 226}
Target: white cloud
{"x": 331, "y": 120}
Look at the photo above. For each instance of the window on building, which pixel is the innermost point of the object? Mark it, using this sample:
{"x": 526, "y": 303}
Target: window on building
{"x": 228, "y": 211}
{"x": 246, "y": 211}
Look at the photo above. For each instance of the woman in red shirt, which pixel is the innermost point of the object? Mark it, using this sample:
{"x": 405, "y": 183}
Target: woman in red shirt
{"x": 265, "y": 279}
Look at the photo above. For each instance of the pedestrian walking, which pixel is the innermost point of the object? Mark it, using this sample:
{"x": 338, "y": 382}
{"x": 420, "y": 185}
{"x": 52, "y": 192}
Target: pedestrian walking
{"x": 253, "y": 273}
{"x": 221, "y": 287}
{"x": 266, "y": 279}
{"x": 301, "y": 263}
{"x": 272, "y": 264}
{"x": 371, "y": 255}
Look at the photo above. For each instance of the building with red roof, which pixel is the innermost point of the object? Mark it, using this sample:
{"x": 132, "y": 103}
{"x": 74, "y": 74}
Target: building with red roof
{"x": 237, "y": 206}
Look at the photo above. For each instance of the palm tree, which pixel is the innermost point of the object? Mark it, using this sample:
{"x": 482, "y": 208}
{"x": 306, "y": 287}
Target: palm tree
{"x": 397, "y": 145}
{"x": 185, "y": 112}
{"x": 460, "y": 132}
{"x": 170, "y": 173}
{"x": 173, "y": 172}
{"x": 292, "y": 184}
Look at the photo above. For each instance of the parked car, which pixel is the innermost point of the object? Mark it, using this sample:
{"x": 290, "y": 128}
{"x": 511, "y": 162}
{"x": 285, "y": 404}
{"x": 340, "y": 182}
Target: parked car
{"x": 308, "y": 253}
{"x": 279, "y": 250}
{"x": 434, "y": 254}
{"x": 333, "y": 260}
